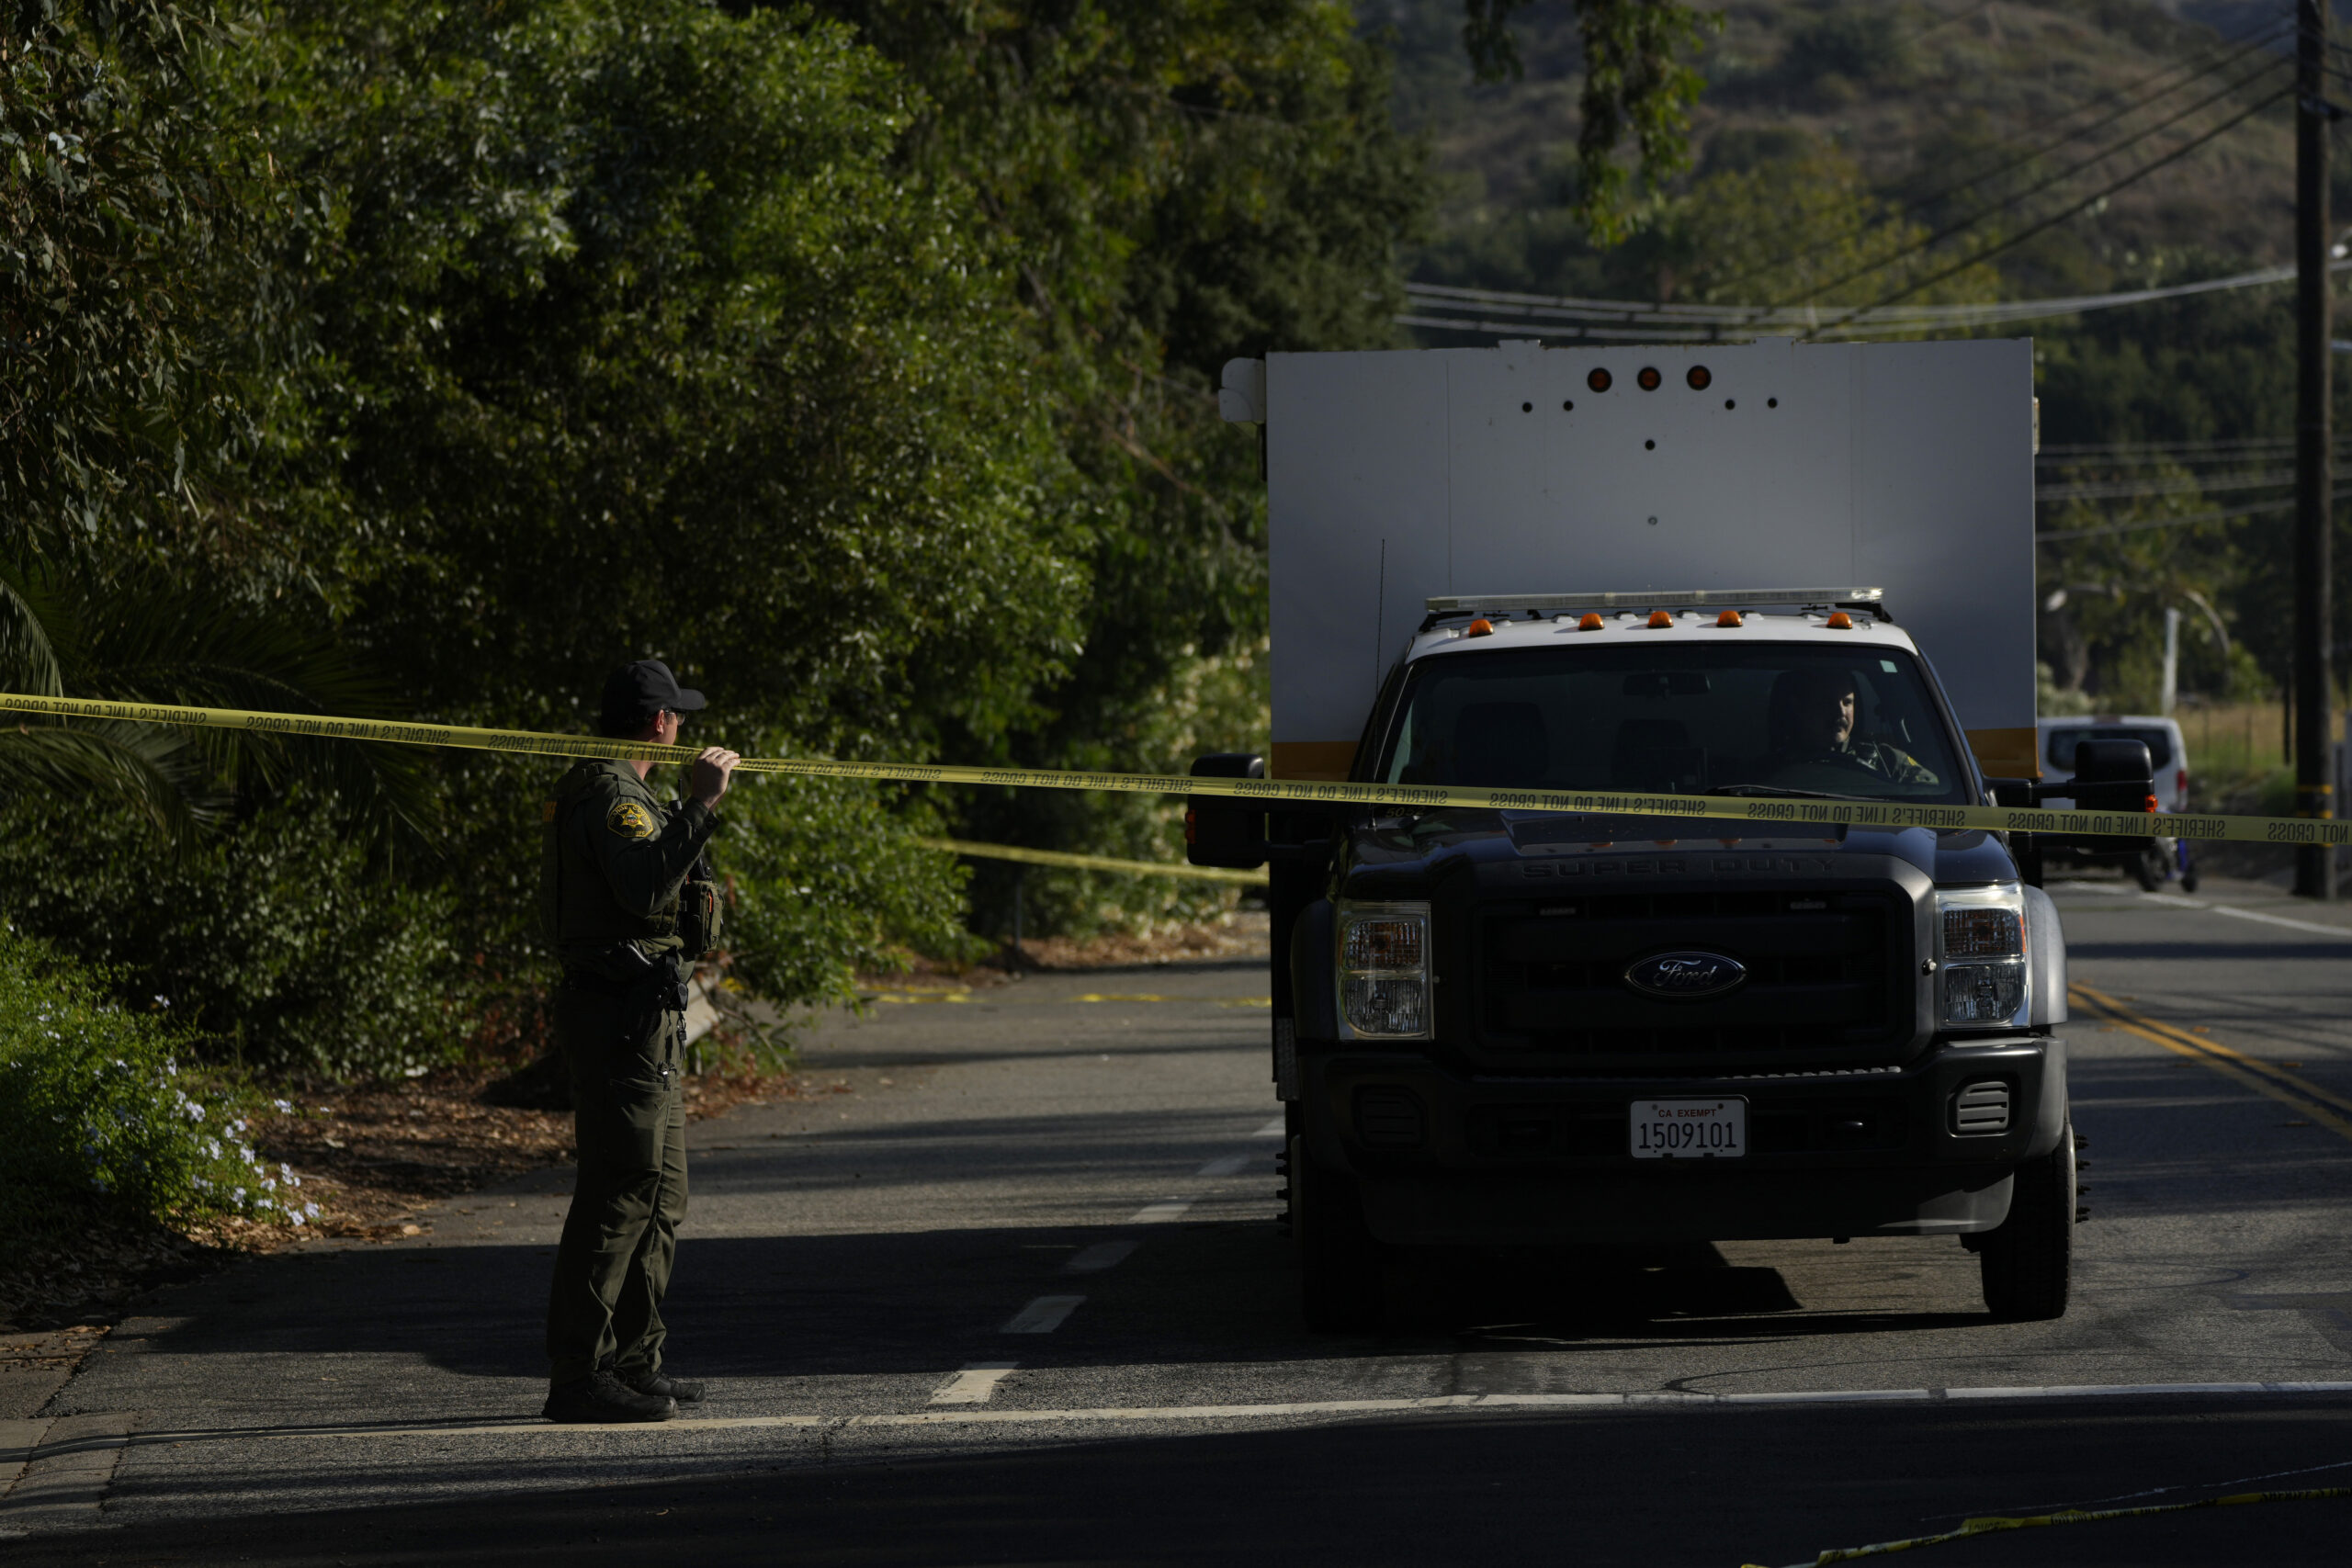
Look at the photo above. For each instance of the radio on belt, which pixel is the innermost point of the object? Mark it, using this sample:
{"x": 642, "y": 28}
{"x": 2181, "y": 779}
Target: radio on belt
{"x": 1773, "y": 573}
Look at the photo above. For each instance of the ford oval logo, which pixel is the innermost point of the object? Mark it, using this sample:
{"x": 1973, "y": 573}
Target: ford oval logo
{"x": 1685, "y": 976}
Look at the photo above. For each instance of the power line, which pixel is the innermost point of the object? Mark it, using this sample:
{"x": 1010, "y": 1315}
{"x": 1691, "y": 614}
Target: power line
{"x": 2031, "y": 153}
{"x": 2117, "y": 448}
{"x": 1951, "y": 231}
{"x": 2193, "y": 67}
{"x": 1503, "y": 311}
{"x": 2057, "y": 218}
{"x": 2056, "y": 535}
{"x": 2108, "y": 489}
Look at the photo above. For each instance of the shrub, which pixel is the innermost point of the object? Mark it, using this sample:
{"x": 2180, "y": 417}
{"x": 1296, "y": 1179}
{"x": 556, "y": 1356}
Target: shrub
{"x": 97, "y": 1106}
{"x": 272, "y": 943}
{"x": 828, "y": 880}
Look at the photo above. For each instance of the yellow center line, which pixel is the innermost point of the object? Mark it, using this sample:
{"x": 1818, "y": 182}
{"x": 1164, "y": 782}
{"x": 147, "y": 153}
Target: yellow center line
{"x": 2329, "y": 1110}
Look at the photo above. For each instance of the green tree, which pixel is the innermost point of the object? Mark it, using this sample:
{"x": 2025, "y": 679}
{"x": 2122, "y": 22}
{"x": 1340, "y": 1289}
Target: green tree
{"x": 1803, "y": 226}
{"x": 1172, "y": 187}
{"x": 1636, "y": 87}
{"x": 142, "y": 319}
{"x": 636, "y": 342}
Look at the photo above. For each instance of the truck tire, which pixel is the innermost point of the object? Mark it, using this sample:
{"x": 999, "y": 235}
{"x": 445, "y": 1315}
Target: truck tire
{"x": 2029, "y": 1260}
{"x": 2148, "y": 871}
{"x": 1338, "y": 1261}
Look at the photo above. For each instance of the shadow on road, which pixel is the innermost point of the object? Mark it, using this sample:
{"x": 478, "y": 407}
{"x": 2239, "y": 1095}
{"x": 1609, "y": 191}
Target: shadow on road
{"x": 1728, "y": 1486}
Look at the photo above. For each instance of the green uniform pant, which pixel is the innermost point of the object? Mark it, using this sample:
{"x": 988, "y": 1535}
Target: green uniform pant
{"x": 612, "y": 1267}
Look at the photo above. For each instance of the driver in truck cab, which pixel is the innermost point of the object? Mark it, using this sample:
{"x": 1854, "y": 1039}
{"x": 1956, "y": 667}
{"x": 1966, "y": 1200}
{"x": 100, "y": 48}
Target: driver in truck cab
{"x": 1812, "y": 719}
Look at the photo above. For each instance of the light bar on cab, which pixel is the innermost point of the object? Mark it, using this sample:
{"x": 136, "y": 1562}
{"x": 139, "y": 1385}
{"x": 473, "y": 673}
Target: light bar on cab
{"x": 1736, "y": 598}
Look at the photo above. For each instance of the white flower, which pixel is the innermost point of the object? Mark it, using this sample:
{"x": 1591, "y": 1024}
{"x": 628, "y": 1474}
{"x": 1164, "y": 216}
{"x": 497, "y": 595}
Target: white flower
{"x": 284, "y": 1107}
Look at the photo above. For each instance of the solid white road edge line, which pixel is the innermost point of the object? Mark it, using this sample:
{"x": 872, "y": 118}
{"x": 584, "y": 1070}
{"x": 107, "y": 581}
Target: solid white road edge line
{"x": 973, "y": 1384}
{"x": 1042, "y": 1315}
{"x": 1471, "y": 1401}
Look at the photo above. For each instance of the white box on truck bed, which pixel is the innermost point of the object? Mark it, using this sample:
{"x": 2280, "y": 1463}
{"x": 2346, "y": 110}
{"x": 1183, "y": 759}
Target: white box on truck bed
{"x": 1396, "y": 476}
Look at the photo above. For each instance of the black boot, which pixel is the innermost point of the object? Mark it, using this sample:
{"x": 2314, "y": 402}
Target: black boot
{"x": 601, "y": 1398}
{"x": 662, "y": 1385}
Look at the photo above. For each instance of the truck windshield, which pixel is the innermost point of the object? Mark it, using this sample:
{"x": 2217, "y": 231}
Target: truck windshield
{"x": 1771, "y": 718}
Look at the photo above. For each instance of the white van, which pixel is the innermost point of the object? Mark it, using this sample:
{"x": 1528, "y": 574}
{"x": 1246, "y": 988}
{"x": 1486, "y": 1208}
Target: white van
{"x": 2168, "y": 766}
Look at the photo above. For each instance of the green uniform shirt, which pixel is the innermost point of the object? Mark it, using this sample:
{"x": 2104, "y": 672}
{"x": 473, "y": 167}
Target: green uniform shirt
{"x": 613, "y": 861}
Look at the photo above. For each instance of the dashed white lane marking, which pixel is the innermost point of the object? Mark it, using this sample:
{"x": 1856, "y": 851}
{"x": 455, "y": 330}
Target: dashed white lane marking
{"x": 973, "y": 1384}
{"x": 1273, "y": 1129}
{"x": 2340, "y": 933}
{"x": 2174, "y": 901}
{"x": 1159, "y": 1213}
{"x": 1228, "y": 1165}
{"x": 1337, "y": 1407}
{"x": 1100, "y": 1256}
{"x": 1042, "y": 1315}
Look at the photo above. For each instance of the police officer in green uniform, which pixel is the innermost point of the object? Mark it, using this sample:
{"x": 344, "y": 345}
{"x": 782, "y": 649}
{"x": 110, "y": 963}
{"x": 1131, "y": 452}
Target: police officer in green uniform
{"x": 630, "y": 905}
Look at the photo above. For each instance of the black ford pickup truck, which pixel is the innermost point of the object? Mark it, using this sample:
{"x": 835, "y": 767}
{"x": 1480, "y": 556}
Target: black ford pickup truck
{"x": 1503, "y": 1027}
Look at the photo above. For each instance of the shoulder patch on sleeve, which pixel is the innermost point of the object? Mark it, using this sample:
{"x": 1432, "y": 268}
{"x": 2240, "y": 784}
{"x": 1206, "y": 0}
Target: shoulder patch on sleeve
{"x": 630, "y": 820}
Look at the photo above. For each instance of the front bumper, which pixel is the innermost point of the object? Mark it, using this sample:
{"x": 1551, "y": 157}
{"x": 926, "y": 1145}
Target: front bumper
{"x": 1445, "y": 1158}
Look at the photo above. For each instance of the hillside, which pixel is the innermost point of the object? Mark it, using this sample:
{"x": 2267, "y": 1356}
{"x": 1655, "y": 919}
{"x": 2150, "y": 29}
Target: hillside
{"x": 1924, "y": 98}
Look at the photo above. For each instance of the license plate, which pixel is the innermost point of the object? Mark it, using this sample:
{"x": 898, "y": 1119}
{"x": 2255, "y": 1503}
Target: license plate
{"x": 1689, "y": 1129}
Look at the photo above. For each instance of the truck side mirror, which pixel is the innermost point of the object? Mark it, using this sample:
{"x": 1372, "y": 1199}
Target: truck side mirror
{"x": 1219, "y": 829}
{"x": 2014, "y": 793}
{"x": 2110, "y": 775}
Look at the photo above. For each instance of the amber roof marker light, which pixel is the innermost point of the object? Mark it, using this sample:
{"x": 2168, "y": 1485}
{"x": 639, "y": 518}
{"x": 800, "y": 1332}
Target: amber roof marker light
{"x": 1650, "y": 380}
{"x": 1729, "y": 618}
{"x": 1661, "y": 620}
{"x": 1600, "y": 380}
{"x": 1699, "y": 378}
{"x": 1480, "y": 627}
{"x": 1591, "y": 622}
{"x": 1839, "y": 621}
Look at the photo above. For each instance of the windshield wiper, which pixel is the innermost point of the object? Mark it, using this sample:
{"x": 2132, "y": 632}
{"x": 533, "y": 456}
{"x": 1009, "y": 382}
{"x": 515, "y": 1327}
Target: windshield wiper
{"x": 1791, "y": 794}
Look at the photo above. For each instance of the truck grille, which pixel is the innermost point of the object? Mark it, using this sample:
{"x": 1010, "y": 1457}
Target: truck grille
{"x": 1828, "y": 978}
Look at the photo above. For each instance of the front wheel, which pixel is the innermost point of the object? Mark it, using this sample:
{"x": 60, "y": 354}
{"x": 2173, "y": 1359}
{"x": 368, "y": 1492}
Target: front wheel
{"x": 2028, "y": 1261}
{"x": 2149, "y": 870}
{"x": 1338, "y": 1261}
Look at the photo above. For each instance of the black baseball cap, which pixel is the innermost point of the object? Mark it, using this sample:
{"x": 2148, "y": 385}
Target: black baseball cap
{"x": 635, "y": 693}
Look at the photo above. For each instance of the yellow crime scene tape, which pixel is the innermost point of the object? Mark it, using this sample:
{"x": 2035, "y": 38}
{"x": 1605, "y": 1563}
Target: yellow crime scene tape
{"x": 1783, "y": 814}
{"x": 2064, "y": 1517}
{"x": 1093, "y": 863}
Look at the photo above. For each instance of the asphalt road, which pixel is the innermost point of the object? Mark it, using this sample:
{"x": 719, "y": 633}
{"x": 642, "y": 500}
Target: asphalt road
{"x": 1019, "y": 1297}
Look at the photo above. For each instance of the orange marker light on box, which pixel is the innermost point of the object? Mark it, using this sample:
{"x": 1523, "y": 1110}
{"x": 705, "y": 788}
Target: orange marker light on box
{"x": 1839, "y": 621}
{"x": 1591, "y": 622}
{"x": 1728, "y": 618}
{"x": 1659, "y": 619}
{"x": 1480, "y": 627}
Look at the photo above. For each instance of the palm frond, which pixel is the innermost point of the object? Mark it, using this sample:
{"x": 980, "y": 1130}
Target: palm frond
{"x": 28, "y": 663}
{"x": 142, "y": 634}
{"x": 155, "y": 768}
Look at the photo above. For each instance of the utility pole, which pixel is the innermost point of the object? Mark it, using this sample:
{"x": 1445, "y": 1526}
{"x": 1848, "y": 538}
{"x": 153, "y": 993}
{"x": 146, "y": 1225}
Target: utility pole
{"x": 2315, "y": 864}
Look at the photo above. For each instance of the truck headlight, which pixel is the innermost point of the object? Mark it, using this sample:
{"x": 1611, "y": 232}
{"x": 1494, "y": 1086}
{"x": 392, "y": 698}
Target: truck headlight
{"x": 1981, "y": 957}
{"x": 1385, "y": 970}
